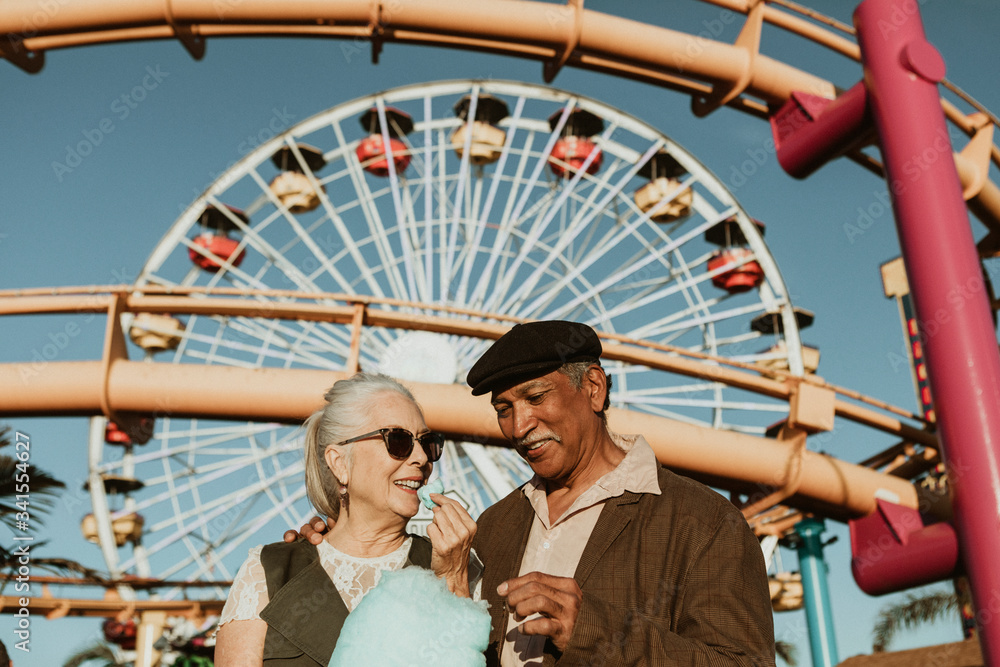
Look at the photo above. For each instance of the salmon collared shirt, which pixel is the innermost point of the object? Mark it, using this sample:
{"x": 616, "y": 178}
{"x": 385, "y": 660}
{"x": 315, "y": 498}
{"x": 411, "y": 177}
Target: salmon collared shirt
{"x": 555, "y": 547}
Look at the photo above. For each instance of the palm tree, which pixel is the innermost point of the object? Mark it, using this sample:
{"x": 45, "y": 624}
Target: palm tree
{"x": 44, "y": 489}
{"x": 913, "y": 611}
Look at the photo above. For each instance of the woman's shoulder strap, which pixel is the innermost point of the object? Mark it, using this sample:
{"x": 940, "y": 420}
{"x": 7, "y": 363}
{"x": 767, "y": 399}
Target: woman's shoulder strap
{"x": 283, "y": 560}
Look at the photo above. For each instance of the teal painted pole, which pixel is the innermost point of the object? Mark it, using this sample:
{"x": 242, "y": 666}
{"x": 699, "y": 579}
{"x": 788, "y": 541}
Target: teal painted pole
{"x": 816, "y": 593}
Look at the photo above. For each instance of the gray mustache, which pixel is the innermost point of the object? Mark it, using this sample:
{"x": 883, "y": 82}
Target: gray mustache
{"x": 528, "y": 442}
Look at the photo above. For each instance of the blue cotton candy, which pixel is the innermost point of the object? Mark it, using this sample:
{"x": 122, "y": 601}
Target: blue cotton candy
{"x": 424, "y": 493}
{"x": 411, "y": 618}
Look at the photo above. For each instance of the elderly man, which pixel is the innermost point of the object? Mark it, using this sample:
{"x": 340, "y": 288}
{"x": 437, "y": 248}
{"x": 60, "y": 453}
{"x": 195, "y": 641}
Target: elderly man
{"x": 604, "y": 557}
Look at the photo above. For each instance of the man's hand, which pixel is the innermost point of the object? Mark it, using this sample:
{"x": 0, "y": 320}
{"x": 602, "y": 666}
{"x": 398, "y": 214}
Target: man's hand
{"x": 313, "y": 531}
{"x": 451, "y": 534}
{"x": 554, "y": 600}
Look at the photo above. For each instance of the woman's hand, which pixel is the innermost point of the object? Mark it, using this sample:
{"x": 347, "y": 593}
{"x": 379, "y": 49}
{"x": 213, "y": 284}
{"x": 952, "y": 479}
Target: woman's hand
{"x": 451, "y": 535}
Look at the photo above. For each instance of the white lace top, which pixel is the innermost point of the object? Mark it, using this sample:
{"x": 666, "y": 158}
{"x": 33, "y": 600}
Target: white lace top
{"x": 352, "y": 576}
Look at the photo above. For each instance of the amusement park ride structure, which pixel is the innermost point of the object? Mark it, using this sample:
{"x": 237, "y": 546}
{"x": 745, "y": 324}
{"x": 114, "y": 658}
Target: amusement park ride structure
{"x": 683, "y": 373}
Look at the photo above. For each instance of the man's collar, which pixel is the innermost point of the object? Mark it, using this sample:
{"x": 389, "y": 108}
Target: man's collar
{"x": 637, "y": 472}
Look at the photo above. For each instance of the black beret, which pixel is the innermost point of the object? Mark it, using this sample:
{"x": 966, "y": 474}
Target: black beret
{"x": 531, "y": 350}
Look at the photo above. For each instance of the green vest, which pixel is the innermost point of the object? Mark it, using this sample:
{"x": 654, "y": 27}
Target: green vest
{"x": 305, "y": 612}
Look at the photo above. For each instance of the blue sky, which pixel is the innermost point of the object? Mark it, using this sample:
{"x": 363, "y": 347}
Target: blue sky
{"x": 164, "y": 126}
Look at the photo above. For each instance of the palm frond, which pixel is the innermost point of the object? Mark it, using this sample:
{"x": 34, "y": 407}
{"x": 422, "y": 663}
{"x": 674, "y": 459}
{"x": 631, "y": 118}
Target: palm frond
{"x": 67, "y": 567}
{"x": 44, "y": 487}
{"x": 913, "y": 611}
{"x": 787, "y": 652}
{"x": 97, "y": 651}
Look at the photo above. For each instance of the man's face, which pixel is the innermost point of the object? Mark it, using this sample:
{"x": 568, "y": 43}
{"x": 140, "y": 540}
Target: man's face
{"x": 549, "y": 422}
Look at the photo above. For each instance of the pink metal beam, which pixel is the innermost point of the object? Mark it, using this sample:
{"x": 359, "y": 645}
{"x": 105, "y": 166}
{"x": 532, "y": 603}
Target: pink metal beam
{"x": 901, "y": 72}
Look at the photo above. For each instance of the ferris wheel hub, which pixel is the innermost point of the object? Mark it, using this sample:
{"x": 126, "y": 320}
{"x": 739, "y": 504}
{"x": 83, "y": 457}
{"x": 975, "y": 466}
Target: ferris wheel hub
{"x": 421, "y": 356}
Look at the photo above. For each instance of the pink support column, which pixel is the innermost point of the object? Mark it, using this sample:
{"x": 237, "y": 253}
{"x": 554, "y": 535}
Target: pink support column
{"x": 901, "y": 72}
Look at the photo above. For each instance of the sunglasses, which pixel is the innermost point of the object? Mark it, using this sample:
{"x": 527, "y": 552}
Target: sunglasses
{"x": 399, "y": 442}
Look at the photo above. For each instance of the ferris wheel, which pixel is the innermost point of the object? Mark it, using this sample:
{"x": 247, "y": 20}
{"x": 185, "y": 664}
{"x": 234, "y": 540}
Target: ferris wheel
{"x": 471, "y": 200}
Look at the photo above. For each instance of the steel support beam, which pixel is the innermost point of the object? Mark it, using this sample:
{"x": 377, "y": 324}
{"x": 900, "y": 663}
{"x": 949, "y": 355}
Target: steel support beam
{"x": 750, "y": 464}
{"x": 816, "y": 593}
{"x": 902, "y": 71}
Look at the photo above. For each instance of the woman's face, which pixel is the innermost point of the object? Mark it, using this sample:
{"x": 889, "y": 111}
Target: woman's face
{"x": 378, "y": 483}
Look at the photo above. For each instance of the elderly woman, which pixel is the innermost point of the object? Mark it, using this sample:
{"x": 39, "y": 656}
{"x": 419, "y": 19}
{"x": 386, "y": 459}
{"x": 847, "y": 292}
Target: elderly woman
{"x": 367, "y": 451}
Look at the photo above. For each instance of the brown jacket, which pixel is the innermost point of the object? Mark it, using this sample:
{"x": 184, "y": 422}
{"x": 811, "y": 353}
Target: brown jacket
{"x": 674, "y": 579}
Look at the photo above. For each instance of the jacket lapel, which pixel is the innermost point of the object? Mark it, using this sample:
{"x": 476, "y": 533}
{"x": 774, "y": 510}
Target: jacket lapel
{"x": 617, "y": 514}
{"x": 512, "y": 550}
{"x": 505, "y": 561}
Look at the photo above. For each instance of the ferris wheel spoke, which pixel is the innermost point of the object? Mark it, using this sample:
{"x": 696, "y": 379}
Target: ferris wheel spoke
{"x": 365, "y": 274}
{"x": 546, "y": 298}
{"x": 199, "y": 440}
{"x": 653, "y": 330}
{"x": 514, "y": 216}
{"x": 421, "y": 287}
{"x": 179, "y": 535}
{"x": 207, "y": 473}
{"x": 324, "y": 341}
{"x": 733, "y": 313}
{"x": 683, "y": 417}
{"x": 644, "y": 299}
{"x": 711, "y": 403}
{"x": 219, "y": 507}
{"x": 458, "y": 209}
{"x": 252, "y": 238}
{"x": 304, "y": 237}
{"x": 372, "y": 219}
{"x": 427, "y": 174}
{"x": 576, "y": 227}
{"x": 226, "y": 265}
{"x": 583, "y": 264}
{"x": 539, "y": 228}
{"x": 762, "y": 357}
{"x": 226, "y": 544}
{"x": 652, "y": 257}
{"x": 503, "y": 229}
{"x": 403, "y": 287}
{"x": 536, "y": 172}
{"x": 689, "y": 289}
{"x": 738, "y": 341}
